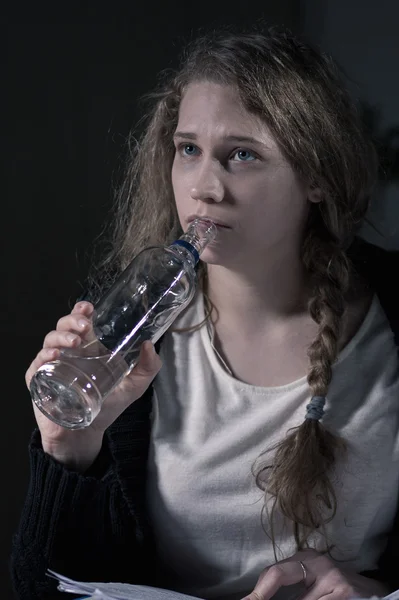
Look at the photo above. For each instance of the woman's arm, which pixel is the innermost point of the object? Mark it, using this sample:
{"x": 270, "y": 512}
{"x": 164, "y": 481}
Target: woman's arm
{"x": 76, "y": 524}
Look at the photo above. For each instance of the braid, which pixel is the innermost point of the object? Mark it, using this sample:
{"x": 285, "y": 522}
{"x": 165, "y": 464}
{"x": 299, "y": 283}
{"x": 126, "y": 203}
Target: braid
{"x": 328, "y": 267}
{"x": 299, "y": 480}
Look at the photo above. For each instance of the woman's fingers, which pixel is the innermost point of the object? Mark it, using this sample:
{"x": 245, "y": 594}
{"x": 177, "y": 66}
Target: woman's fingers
{"x": 61, "y": 339}
{"x": 84, "y": 308}
{"x": 45, "y": 355}
{"x": 71, "y": 330}
{"x": 277, "y": 576}
{"x": 149, "y": 361}
{"x": 317, "y": 572}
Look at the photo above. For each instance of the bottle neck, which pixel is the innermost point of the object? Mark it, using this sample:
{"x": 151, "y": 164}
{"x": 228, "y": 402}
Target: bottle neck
{"x": 187, "y": 251}
{"x": 198, "y": 235}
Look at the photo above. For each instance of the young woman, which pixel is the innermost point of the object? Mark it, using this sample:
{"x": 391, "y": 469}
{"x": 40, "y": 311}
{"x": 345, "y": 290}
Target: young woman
{"x": 265, "y": 451}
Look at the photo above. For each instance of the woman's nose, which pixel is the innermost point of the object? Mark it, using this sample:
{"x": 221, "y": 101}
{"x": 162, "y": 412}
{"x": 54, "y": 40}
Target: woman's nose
{"x": 208, "y": 186}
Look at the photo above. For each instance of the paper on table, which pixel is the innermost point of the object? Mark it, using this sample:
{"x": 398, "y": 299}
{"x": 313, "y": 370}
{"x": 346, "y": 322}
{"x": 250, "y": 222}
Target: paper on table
{"x": 116, "y": 591}
{"x": 126, "y": 591}
{"x": 393, "y": 596}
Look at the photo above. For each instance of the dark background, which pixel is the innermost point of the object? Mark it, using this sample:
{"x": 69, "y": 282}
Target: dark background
{"x": 70, "y": 89}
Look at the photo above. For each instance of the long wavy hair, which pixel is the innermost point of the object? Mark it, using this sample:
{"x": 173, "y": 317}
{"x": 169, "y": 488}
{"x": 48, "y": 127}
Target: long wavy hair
{"x": 299, "y": 93}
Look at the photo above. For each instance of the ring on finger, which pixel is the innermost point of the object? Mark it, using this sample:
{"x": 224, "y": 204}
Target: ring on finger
{"x": 304, "y": 571}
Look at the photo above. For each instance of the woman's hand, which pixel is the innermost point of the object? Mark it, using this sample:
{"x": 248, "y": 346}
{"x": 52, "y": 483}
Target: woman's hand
{"x": 79, "y": 448}
{"x": 323, "y": 578}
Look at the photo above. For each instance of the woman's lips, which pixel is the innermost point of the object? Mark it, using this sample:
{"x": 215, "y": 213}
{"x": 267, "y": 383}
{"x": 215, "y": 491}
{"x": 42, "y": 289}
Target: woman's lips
{"x": 218, "y": 225}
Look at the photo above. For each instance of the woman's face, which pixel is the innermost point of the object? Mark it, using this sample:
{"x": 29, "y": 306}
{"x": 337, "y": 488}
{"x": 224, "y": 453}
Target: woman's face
{"x": 228, "y": 167}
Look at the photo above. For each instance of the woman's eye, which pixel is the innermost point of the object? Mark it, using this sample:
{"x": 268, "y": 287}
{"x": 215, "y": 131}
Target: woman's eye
{"x": 244, "y": 156}
{"x": 188, "y": 150}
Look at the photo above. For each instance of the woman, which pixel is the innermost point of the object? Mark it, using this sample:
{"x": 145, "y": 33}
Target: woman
{"x": 253, "y": 461}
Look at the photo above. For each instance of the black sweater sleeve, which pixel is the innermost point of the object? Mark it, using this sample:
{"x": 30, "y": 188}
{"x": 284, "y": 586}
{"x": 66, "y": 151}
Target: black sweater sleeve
{"x": 81, "y": 525}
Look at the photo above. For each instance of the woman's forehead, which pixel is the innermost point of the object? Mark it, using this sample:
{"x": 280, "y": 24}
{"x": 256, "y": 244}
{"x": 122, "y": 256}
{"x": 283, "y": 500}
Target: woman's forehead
{"x": 208, "y": 107}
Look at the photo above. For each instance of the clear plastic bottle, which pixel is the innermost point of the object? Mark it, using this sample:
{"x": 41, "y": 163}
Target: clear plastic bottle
{"x": 142, "y": 304}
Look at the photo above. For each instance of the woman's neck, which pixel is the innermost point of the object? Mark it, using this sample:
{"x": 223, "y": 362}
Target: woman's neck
{"x": 263, "y": 293}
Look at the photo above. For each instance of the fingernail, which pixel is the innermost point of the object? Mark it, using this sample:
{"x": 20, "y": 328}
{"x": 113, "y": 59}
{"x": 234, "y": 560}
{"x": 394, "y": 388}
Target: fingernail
{"x": 71, "y": 337}
{"x": 82, "y": 323}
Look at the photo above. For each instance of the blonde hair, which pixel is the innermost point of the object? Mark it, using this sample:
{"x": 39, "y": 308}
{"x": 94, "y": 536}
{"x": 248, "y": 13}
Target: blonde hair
{"x": 299, "y": 93}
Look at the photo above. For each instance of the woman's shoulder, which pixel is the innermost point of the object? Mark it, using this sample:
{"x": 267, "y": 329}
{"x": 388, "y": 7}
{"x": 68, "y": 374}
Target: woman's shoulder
{"x": 357, "y": 309}
{"x": 374, "y": 271}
